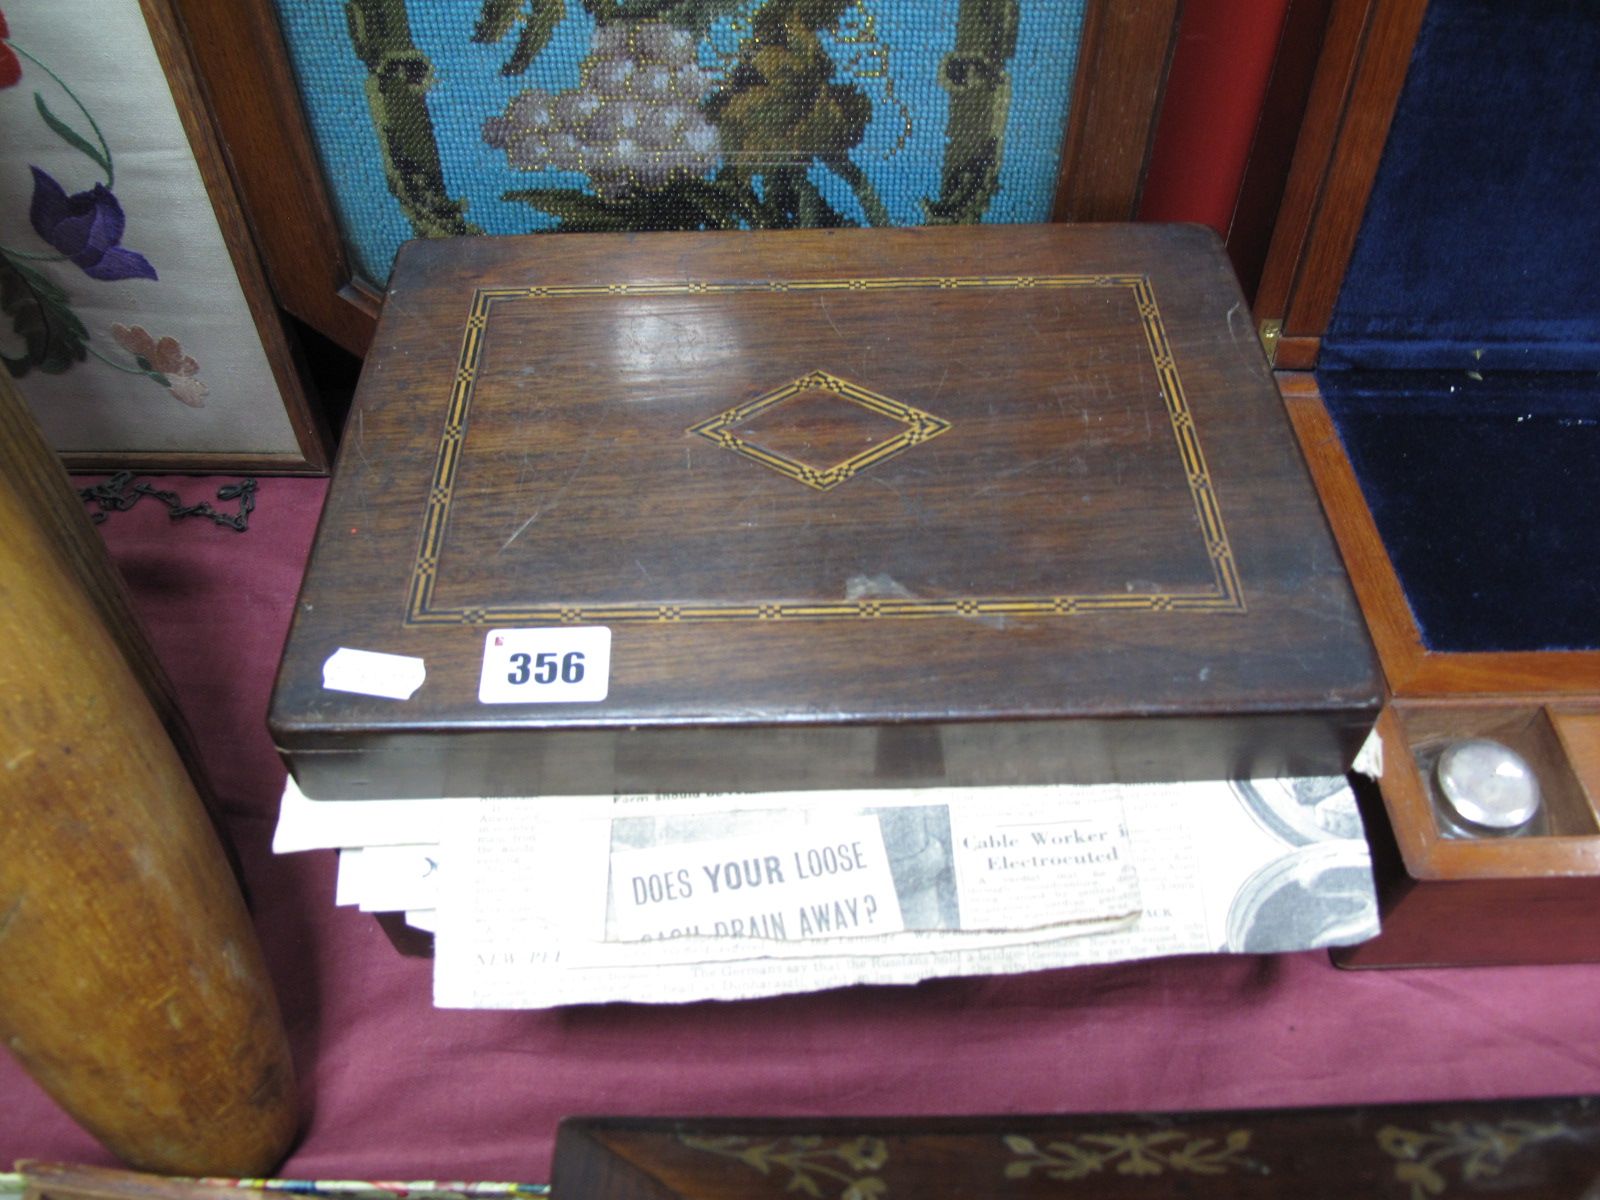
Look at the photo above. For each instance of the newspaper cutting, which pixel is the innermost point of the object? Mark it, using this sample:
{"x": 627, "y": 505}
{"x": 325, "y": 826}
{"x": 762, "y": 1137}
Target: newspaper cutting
{"x": 669, "y": 899}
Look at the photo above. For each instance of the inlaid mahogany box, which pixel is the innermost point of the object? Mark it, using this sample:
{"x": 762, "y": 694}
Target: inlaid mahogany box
{"x": 1434, "y": 263}
{"x": 821, "y": 509}
{"x": 1506, "y": 1148}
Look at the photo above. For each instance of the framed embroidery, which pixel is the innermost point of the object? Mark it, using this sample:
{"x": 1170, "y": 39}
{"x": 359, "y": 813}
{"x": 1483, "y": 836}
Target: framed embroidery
{"x": 134, "y": 317}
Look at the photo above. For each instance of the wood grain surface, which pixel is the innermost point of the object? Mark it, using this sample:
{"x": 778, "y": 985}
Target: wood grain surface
{"x": 70, "y": 1181}
{"x": 1366, "y": 53}
{"x": 1521, "y": 1148}
{"x": 52, "y": 504}
{"x": 1114, "y": 524}
{"x": 159, "y": 462}
{"x": 307, "y": 421}
{"x": 251, "y": 93}
{"x": 1500, "y": 901}
{"x": 1283, "y": 112}
{"x": 1452, "y": 900}
{"x": 131, "y": 984}
{"x": 1123, "y": 61}
{"x": 1578, "y": 730}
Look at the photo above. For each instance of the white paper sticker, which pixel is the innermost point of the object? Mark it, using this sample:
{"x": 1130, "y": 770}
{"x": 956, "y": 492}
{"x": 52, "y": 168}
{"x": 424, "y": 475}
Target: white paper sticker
{"x": 369, "y": 673}
{"x": 1369, "y": 759}
{"x": 562, "y": 664}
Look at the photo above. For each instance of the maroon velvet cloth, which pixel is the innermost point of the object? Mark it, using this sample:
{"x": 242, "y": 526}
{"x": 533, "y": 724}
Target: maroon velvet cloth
{"x": 392, "y": 1089}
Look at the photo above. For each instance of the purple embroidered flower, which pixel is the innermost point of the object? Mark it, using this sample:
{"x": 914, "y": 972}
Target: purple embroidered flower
{"x": 87, "y": 228}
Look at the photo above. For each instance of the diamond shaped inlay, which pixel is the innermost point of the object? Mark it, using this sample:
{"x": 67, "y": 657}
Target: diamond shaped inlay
{"x": 820, "y": 429}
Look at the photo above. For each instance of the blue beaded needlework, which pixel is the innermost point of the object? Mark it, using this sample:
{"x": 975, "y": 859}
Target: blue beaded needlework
{"x": 442, "y": 117}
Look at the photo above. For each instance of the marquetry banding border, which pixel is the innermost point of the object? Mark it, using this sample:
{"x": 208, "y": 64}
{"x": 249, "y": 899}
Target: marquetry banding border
{"x": 1224, "y": 594}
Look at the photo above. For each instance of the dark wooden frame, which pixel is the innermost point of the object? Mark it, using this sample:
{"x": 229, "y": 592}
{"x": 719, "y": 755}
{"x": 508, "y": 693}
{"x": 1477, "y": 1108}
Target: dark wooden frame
{"x": 70, "y": 1181}
{"x": 1283, "y": 110}
{"x": 249, "y": 87}
{"x": 1362, "y": 67}
{"x": 1123, "y": 60}
{"x": 310, "y": 430}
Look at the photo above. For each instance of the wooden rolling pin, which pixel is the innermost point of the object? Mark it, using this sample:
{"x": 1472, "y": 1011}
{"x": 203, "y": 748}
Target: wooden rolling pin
{"x": 132, "y": 986}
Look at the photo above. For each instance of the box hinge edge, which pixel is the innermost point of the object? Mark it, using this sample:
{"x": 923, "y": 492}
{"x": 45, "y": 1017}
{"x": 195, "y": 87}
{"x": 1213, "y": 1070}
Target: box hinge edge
{"x": 1269, "y": 331}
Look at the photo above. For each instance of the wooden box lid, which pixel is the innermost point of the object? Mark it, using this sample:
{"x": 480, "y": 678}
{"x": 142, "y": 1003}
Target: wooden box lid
{"x": 857, "y": 507}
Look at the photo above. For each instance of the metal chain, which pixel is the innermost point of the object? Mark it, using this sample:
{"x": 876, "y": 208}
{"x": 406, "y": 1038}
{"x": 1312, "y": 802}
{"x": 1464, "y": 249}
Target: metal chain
{"x": 122, "y": 491}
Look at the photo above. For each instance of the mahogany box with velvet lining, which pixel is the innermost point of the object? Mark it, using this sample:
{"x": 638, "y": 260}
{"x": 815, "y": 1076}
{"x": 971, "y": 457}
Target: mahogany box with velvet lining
{"x": 1434, "y": 262}
{"x": 821, "y": 509}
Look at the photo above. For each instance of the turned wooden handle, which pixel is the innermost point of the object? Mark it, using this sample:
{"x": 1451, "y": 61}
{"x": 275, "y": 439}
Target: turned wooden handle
{"x": 131, "y": 983}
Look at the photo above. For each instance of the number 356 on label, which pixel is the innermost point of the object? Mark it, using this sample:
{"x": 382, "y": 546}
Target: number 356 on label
{"x": 567, "y": 664}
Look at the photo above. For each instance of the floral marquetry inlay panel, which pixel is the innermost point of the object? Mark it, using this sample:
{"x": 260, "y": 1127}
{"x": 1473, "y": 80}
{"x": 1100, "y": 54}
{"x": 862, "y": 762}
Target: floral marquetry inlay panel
{"x": 1547, "y": 1149}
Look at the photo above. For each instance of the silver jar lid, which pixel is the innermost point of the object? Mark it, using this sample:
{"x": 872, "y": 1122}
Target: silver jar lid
{"x": 1488, "y": 784}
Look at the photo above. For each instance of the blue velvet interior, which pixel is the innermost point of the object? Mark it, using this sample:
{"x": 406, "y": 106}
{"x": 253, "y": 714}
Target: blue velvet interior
{"x": 1462, "y": 364}
{"x": 1481, "y": 232}
{"x": 1487, "y": 495}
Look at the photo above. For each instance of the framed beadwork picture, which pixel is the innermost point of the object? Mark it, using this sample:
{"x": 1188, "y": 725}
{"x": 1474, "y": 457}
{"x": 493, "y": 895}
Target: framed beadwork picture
{"x": 371, "y": 122}
{"x": 135, "y": 318}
